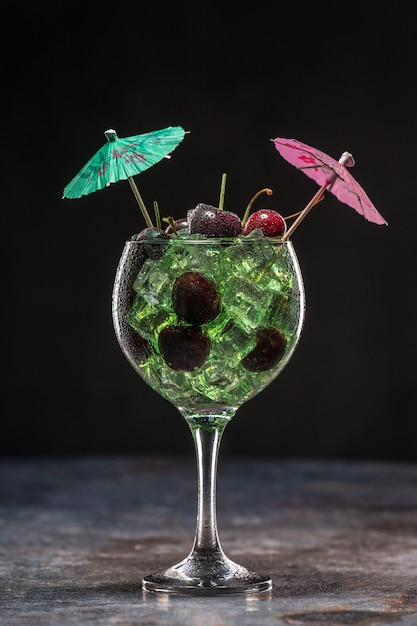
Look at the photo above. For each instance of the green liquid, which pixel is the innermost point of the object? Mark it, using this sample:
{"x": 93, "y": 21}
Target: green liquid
{"x": 260, "y": 287}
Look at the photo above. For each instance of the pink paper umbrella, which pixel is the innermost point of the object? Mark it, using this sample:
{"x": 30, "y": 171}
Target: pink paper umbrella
{"x": 331, "y": 175}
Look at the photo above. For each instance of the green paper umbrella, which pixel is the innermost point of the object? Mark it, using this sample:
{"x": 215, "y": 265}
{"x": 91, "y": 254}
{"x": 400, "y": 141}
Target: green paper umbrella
{"x": 121, "y": 159}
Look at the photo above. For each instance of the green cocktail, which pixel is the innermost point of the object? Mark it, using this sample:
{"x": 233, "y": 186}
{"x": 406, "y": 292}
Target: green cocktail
{"x": 208, "y": 323}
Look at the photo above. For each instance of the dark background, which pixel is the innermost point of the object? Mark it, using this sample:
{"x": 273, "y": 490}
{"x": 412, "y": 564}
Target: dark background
{"x": 336, "y": 76}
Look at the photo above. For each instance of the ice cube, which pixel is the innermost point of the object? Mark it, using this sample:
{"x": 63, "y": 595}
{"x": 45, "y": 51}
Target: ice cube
{"x": 148, "y": 320}
{"x": 246, "y": 303}
{"x": 233, "y": 344}
{"x": 245, "y": 257}
{"x": 285, "y": 314}
{"x": 222, "y": 384}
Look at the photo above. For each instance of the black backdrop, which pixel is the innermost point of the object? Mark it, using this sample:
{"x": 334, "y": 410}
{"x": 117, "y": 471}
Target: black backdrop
{"x": 337, "y": 77}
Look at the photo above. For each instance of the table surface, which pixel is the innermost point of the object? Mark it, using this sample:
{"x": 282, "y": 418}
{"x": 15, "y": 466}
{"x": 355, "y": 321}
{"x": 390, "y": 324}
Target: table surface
{"x": 78, "y": 534}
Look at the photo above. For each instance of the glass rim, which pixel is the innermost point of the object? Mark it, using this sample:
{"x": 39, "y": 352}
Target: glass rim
{"x": 211, "y": 240}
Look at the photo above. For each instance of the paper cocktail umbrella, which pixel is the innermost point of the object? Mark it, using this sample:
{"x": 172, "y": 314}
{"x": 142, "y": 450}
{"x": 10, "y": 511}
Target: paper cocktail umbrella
{"x": 121, "y": 159}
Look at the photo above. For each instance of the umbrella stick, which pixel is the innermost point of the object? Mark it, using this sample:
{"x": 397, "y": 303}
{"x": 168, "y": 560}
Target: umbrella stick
{"x": 314, "y": 200}
{"x": 140, "y": 202}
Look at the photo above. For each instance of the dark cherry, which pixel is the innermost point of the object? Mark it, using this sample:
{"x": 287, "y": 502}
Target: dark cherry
{"x": 179, "y": 225}
{"x": 195, "y": 298}
{"x": 212, "y": 222}
{"x": 154, "y": 252}
{"x": 150, "y": 234}
{"x": 184, "y": 348}
{"x": 269, "y": 350}
{"x": 140, "y": 346}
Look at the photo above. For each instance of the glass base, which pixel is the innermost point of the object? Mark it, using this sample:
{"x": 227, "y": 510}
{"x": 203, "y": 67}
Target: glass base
{"x": 205, "y": 578}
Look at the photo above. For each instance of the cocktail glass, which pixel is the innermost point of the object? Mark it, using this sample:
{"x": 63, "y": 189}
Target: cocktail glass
{"x": 208, "y": 347}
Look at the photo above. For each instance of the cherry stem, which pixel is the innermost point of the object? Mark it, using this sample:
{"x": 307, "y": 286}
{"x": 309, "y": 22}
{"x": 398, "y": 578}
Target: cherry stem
{"x": 157, "y": 215}
{"x": 248, "y": 208}
{"x": 222, "y": 191}
{"x": 172, "y": 223}
{"x": 288, "y": 217}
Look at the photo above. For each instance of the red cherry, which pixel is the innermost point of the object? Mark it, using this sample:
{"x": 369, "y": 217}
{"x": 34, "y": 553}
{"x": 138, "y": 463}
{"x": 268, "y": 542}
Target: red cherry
{"x": 271, "y": 223}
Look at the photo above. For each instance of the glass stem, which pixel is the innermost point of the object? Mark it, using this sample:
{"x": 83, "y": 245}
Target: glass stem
{"x": 207, "y": 434}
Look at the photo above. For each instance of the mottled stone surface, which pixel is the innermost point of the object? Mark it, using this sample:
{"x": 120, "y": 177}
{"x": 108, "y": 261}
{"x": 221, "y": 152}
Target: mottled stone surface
{"x": 77, "y": 536}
